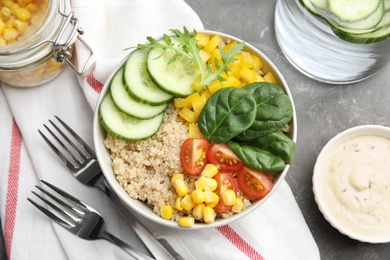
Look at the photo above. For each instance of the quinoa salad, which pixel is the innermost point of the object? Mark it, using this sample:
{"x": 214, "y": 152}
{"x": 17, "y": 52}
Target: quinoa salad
{"x": 144, "y": 168}
{"x": 195, "y": 128}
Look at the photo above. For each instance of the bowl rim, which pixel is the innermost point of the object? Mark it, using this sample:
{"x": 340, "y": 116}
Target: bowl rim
{"x": 361, "y": 130}
{"x": 131, "y": 204}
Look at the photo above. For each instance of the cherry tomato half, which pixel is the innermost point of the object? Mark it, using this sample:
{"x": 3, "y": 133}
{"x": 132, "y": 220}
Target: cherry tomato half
{"x": 224, "y": 158}
{"x": 255, "y": 184}
{"x": 193, "y": 155}
{"x": 225, "y": 181}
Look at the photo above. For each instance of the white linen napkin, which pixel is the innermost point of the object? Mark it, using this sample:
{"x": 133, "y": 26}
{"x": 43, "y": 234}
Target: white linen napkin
{"x": 110, "y": 27}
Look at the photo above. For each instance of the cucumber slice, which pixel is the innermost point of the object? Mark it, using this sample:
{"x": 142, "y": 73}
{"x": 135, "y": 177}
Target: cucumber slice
{"x": 366, "y": 23}
{"x": 365, "y": 38}
{"x": 353, "y": 10}
{"x": 126, "y": 104}
{"x": 322, "y": 4}
{"x": 138, "y": 83}
{"x": 124, "y": 127}
{"x": 174, "y": 78}
{"x": 310, "y": 7}
{"x": 385, "y": 22}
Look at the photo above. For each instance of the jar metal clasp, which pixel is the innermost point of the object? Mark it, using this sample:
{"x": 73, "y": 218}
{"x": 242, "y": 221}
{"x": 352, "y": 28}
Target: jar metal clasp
{"x": 63, "y": 50}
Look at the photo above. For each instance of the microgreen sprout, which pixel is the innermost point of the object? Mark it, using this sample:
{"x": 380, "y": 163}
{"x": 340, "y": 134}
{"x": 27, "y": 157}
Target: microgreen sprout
{"x": 185, "y": 44}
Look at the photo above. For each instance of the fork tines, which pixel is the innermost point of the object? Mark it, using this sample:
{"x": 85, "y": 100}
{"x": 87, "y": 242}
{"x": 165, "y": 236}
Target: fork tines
{"x": 68, "y": 207}
{"x": 72, "y": 150}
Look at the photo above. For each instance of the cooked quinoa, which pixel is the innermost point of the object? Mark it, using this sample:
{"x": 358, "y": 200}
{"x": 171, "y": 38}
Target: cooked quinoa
{"x": 144, "y": 168}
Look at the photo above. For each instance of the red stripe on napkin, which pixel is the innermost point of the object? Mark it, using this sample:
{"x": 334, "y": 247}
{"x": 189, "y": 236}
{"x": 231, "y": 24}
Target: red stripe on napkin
{"x": 94, "y": 83}
{"x": 239, "y": 242}
{"x": 12, "y": 189}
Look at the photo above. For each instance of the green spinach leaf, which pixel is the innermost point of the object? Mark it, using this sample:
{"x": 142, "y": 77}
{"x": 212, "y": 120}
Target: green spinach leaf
{"x": 227, "y": 113}
{"x": 276, "y": 143}
{"x": 274, "y": 110}
{"x": 257, "y": 158}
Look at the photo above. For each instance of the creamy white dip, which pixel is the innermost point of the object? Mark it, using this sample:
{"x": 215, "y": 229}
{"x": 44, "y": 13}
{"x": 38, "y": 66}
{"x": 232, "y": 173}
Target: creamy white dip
{"x": 357, "y": 184}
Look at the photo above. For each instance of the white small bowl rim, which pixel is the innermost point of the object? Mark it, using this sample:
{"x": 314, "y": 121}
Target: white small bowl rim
{"x": 361, "y": 130}
{"x": 141, "y": 208}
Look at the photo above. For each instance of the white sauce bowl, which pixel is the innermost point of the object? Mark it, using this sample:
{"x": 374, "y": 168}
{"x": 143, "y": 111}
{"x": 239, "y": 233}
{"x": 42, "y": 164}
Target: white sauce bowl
{"x": 140, "y": 208}
{"x": 346, "y": 184}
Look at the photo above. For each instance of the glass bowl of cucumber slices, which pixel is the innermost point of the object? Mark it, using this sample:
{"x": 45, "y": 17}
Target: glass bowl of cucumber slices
{"x": 182, "y": 124}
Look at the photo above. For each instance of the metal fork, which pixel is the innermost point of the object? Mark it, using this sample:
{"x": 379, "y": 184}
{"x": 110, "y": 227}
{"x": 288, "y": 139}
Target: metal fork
{"x": 79, "y": 218}
{"x": 81, "y": 160}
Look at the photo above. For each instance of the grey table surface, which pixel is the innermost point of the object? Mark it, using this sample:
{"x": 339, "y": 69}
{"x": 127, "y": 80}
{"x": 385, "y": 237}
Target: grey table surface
{"x": 322, "y": 111}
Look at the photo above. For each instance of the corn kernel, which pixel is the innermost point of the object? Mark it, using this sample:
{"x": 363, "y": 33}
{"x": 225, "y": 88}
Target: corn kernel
{"x": 32, "y": 7}
{"x": 237, "y": 206}
{"x": 166, "y": 211}
{"x": 210, "y": 170}
{"x": 13, "y": 7}
{"x": 197, "y": 212}
{"x": 7, "y": 3}
{"x": 200, "y": 184}
{"x": 214, "y": 201}
{"x": 180, "y": 187}
{"x": 10, "y": 34}
{"x": 198, "y": 196}
{"x": 229, "y": 197}
{"x": 10, "y": 22}
{"x": 208, "y": 214}
{"x": 21, "y": 2}
{"x": 23, "y": 14}
{"x": 175, "y": 177}
{"x": 186, "y": 221}
{"x": 187, "y": 203}
{"x": 36, "y": 19}
{"x": 2, "y": 26}
{"x": 177, "y": 204}
{"x": 5, "y": 11}
{"x": 209, "y": 196}
{"x": 211, "y": 184}
{"x": 21, "y": 26}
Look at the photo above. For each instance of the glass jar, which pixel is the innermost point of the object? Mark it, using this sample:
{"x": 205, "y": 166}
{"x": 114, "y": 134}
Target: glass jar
{"x": 37, "y": 38}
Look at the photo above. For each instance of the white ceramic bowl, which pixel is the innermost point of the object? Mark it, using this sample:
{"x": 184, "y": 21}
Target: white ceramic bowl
{"x": 324, "y": 191}
{"x": 139, "y": 207}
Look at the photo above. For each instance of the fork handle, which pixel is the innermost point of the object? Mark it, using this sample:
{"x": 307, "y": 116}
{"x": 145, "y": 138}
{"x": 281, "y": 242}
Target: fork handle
{"x": 131, "y": 250}
{"x": 94, "y": 177}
